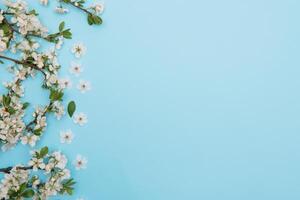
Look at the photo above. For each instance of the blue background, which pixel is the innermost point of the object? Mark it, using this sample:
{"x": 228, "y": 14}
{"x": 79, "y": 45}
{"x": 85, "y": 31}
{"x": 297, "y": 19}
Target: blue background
{"x": 190, "y": 99}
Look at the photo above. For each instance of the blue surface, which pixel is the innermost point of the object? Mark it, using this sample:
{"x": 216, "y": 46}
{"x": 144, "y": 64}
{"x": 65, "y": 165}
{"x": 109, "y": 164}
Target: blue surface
{"x": 190, "y": 100}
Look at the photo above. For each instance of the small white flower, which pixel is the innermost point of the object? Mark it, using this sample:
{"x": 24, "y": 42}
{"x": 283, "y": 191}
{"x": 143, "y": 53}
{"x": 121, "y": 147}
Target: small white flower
{"x": 65, "y": 83}
{"x": 78, "y": 49}
{"x": 80, "y": 162}
{"x": 67, "y": 174}
{"x": 61, "y": 10}
{"x": 84, "y": 86}
{"x": 75, "y": 2}
{"x": 76, "y": 69}
{"x": 36, "y": 164}
{"x": 3, "y": 39}
{"x": 44, "y": 2}
{"x": 80, "y": 119}
{"x": 29, "y": 139}
{"x": 98, "y": 8}
{"x": 66, "y": 136}
{"x": 3, "y": 46}
{"x": 58, "y": 109}
{"x": 51, "y": 79}
{"x": 59, "y": 42}
{"x": 61, "y": 160}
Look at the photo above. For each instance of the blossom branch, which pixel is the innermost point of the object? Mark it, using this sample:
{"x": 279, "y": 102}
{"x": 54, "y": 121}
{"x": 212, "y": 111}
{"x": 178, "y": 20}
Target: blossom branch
{"x": 34, "y": 121}
{"x": 54, "y": 38}
{"x": 8, "y": 169}
{"x": 92, "y": 16}
{"x": 31, "y": 186}
{"x": 23, "y": 63}
{"x": 77, "y": 6}
{"x": 18, "y": 26}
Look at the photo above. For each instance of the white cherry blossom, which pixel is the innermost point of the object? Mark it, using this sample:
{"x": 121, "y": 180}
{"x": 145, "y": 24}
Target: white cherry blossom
{"x": 61, "y": 10}
{"x": 44, "y": 2}
{"x": 80, "y": 162}
{"x": 66, "y": 136}
{"x": 29, "y": 139}
{"x": 65, "y": 83}
{"x": 78, "y": 50}
{"x": 98, "y": 7}
{"x": 80, "y": 119}
{"x": 84, "y": 86}
{"x": 76, "y": 69}
{"x": 37, "y": 163}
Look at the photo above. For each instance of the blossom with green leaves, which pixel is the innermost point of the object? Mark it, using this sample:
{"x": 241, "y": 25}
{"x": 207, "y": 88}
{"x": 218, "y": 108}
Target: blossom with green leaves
{"x": 28, "y": 49}
{"x": 92, "y": 11}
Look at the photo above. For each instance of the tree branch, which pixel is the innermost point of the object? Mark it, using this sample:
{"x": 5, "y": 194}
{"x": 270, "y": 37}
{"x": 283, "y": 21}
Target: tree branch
{"x": 8, "y": 169}
{"x": 23, "y": 63}
{"x": 80, "y": 8}
{"x": 30, "y": 34}
{"x": 28, "y": 128}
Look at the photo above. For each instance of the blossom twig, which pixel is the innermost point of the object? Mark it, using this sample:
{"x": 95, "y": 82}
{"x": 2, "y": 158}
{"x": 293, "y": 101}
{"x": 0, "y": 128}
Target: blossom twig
{"x": 8, "y": 169}
{"x": 92, "y": 17}
{"x": 23, "y": 63}
{"x": 18, "y": 27}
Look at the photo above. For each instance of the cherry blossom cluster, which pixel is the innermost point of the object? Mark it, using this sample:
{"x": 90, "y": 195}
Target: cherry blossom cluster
{"x": 22, "y": 26}
{"x": 23, "y": 50}
{"x": 46, "y": 175}
{"x": 93, "y": 11}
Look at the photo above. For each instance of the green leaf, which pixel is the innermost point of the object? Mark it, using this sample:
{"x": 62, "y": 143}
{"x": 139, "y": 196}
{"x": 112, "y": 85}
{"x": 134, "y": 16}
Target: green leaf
{"x": 69, "y": 191}
{"x": 43, "y": 152}
{"x": 56, "y": 95}
{"x": 33, "y": 12}
{"x": 71, "y": 108}
{"x": 6, "y": 29}
{"x": 28, "y": 193}
{"x": 90, "y": 20}
{"x": 11, "y": 110}
{"x": 61, "y": 26}
{"x": 69, "y": 182}
{"x": 23, "y": 186}
{"x": 25, "y": 105}
{"x": 97, "y": 19}
{"x": 94, "y": 19}
{"x": 67, "y": 34}
{"x": 38, "y": 132}
{"x": 6, "y": 100}
{"x": 68, "y": 186}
